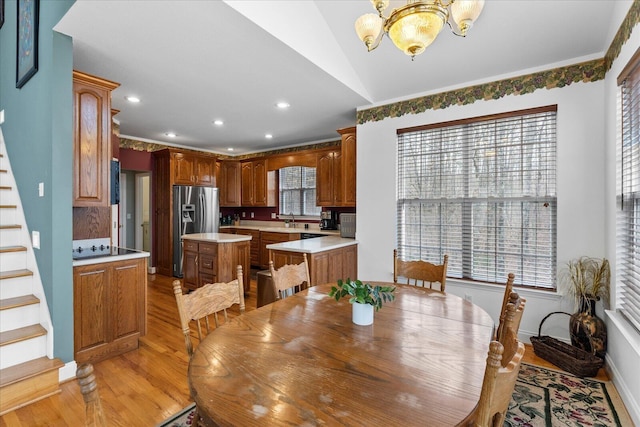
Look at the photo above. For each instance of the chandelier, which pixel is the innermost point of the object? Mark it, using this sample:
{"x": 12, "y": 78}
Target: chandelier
{"x": 416, "y": 25}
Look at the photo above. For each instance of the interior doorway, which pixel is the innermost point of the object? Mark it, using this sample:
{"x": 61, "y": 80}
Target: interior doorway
{"x": 122, "y": 223}
{"x": 143, "y": 206}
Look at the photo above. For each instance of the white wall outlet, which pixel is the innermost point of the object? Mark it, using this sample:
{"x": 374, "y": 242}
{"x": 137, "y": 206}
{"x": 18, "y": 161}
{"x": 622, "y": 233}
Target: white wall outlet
{"x": 251, "y": 214}
{"x": 244, "y": 214}
{"x": 41, "y": 189}
{"x": 273, "y": 215}
{"x": 35, "y": 239}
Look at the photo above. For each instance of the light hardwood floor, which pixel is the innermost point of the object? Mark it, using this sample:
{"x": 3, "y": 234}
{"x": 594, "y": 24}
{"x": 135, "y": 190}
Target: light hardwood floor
{"x": 145, "y": 386}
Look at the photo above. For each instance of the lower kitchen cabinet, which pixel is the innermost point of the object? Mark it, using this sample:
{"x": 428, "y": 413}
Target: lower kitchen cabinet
{"x": 110, "y": 308}
{"x": 268, "y": 238}
{"x": 255, "y": 244}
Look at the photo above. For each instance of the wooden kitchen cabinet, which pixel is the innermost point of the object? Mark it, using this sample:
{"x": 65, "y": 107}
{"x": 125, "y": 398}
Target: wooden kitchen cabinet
{"x": 193, "y": 169}
{"x": 348, "y": 166}
{"x": 91, "y": 140}
{"x": 230, "y": 183}
{"x": 258, "y": 186}
{"x": 268, "y": 238}
{"x": 110, "y": 303}
{"x": 329, "y": 178}
{"x": 207, "y": 261}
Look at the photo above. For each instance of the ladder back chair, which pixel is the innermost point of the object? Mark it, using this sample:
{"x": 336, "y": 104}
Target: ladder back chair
{"x": 290, "y": 278}
{"x": 498, "y": 384}
{"x": 420, "y": 271}
{"x": 89, "y": 388}
{"x": 205, "y": 301}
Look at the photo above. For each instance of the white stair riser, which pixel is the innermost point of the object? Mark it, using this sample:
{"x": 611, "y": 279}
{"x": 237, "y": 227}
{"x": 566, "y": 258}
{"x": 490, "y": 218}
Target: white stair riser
{"x": 7, "y": 216}
{"x": 16, "y": 287}
{"x": 4, "y": 178}
{"x": 13, "y": 260}
{"x": 18, "y": 317}
{"x": 23, "y": 351}
{"x": 13, "y": 237}
{"x": 6, "y": 196}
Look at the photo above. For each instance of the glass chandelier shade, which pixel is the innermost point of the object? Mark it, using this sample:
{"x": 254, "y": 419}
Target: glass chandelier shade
{"x": 413, "y": 27}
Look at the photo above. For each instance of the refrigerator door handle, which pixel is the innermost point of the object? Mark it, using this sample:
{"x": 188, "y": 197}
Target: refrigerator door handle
{"x": 203, "y": 213}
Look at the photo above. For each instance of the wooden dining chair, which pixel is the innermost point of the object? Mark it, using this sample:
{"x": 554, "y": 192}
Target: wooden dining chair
{"x": 498, "y": 384}
{"x": 94, "y": 414}
{"x": 511, "y": 317}
{"x": 290, "y": 278}
{"x": 422, "y": 272}
{"x": 208, "y": 300}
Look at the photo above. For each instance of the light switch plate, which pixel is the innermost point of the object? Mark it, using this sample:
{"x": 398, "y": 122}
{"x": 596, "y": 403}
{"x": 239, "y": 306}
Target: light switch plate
{"x": 41, "y": 189}
{"x": 35, "y": 239}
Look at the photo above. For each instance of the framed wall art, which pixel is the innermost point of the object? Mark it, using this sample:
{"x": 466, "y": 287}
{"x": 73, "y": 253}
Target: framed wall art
{"x": 27, "y": 41}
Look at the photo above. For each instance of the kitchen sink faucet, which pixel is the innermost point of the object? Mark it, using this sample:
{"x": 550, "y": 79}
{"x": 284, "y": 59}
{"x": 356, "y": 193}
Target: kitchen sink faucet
{"x": 293, "y": 220}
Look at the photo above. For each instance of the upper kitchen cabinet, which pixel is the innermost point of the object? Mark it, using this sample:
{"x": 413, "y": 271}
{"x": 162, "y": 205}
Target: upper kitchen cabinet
{"x": 193, "y": 169}
{"x": 229, "y": 183}
{"x": 329, "y": 178}
{"x": 258, "y": 184}
{"x": 91, "y": 139}
{"x": 348, "y": 166}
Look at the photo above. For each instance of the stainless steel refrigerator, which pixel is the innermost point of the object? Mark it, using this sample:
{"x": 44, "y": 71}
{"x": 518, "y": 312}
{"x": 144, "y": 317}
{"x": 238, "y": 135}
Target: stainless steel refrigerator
{"x": 195, "y": 210}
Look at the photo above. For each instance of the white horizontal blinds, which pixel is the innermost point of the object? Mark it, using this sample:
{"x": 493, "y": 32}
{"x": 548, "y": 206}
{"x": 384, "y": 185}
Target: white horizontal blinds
{"x": 628, "y": 200}
{"x": 298, "y": 191}
{"x": 483, "y": 192}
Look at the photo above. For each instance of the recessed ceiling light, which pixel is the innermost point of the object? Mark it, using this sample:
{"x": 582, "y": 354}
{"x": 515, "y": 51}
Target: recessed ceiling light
{"x": 133, "y": 99}
{"x": 283, "y": 105}
{"x": 171, "y": 134}
{"x": 268, "y": 136}
{"x": 230, "y": 149}
{"x": 218, "y": 122}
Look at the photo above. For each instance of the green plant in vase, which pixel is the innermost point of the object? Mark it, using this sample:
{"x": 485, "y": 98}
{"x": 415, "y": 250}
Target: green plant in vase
{"x": 363, "y": 293}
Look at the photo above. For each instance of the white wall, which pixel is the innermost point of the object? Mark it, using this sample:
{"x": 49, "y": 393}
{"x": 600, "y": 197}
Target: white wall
{"x": 584, "y": 225}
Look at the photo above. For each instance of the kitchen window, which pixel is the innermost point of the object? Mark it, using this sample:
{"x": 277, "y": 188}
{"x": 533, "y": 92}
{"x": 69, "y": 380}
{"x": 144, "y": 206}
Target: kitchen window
{"x": 298, "y": 191}
{"x": 628, "y": 196}
{"x": 482, "y": 191}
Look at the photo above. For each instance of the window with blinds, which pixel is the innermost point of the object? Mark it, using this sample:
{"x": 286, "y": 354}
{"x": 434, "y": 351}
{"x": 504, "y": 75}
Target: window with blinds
{"x": 298, "y": 191}
{"x": 482, "y": 191}
{"x": 628, "y": 196}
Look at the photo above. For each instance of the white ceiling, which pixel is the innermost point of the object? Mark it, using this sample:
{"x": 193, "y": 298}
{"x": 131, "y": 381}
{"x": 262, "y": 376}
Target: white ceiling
{"x": 195, "y": 61}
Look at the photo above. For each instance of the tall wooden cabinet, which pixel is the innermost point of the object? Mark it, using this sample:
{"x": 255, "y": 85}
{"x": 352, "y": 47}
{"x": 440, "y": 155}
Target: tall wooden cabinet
{"x": 91, "y": 139}
{"x": 175, "y": 167}
{"x": 348, "y": 166}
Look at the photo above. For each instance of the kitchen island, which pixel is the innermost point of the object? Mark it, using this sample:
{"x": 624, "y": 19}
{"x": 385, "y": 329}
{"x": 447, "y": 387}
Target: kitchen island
{"x": 213, "y": 258}
{"x": 330, "y": 258}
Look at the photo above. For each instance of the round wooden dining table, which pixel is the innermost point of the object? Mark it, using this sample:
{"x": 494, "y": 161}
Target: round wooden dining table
{"x": 302, "y": 362}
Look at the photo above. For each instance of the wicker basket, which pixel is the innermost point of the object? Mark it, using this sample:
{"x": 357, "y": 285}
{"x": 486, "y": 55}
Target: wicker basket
{"x": 565, "y": 356}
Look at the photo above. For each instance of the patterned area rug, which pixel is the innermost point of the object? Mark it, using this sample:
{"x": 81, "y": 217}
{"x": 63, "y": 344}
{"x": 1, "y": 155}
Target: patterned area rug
{"x": 542, "y": 398}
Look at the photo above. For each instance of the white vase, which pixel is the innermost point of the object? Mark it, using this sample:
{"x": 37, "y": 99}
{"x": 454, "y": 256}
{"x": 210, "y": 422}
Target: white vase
{"x": 362, "y": 314}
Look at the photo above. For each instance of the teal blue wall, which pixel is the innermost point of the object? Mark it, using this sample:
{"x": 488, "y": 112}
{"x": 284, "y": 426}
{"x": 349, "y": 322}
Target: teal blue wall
{"x": 38, "y": 135}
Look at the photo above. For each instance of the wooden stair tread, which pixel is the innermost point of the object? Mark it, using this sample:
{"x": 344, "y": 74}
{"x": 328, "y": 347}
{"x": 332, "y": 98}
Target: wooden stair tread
{"x": 4, "y": 249}
{"x": 5, "y": 187}
{"x": 21, "y": 334}
{"x": 15, "y": 273}
{"x": 28, "y": 369}
{"x": 20, "y": 301}
{"x": 8, "y": 226}
{"x": 8, "y": 206}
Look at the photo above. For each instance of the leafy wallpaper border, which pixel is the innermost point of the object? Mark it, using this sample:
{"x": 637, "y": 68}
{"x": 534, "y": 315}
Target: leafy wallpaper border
{"x": 589, "y": 71}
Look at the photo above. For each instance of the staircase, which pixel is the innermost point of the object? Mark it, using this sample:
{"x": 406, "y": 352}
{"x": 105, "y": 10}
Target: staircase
{"x": 28, "y": 371}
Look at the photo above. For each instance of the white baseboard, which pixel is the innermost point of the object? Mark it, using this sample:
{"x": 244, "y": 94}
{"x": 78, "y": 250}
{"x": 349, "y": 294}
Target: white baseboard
{"x": 68, "y": 371}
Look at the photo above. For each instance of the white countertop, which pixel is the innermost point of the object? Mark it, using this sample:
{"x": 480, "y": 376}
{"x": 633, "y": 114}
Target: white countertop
{"x": 110, "y": 258}
{"x": 217, "y": 237}
{"x": 315, "y": 245}
{"x": 276, "y": 229}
